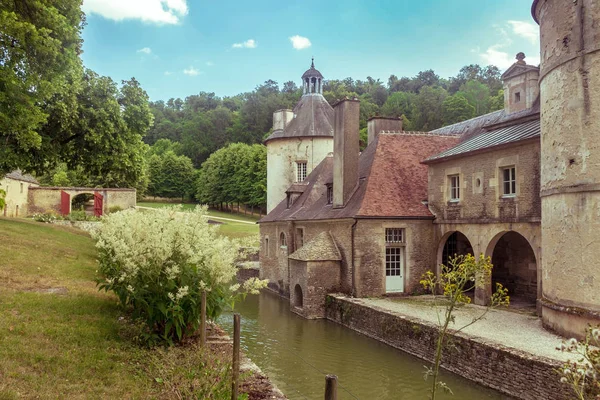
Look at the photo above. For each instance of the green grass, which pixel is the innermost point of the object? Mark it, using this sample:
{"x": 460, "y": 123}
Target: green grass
{"x": 75, "y": 343}
{"x": 231, "y": 229}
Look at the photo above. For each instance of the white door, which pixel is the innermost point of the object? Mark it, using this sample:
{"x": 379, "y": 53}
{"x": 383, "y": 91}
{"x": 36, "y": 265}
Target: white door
{"x": 394, "y": 269}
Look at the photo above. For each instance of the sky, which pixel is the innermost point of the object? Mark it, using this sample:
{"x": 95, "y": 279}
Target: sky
{"x": 177, "y": 48}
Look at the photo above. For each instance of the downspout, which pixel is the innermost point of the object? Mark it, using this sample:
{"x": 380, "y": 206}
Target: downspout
{"x": 352, "y": 258}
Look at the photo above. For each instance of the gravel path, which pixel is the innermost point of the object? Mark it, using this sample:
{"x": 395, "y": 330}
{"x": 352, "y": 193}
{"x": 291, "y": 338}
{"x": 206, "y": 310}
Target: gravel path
{"x": 511, "y": 329}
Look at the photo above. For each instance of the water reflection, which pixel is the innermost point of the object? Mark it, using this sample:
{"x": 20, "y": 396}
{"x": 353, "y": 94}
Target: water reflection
{"x": 295, "y": 353}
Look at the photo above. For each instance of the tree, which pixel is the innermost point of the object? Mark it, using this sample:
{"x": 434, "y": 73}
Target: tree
{"x": 478, "y": 95}
{"x": 456, "y": 109}
{"x": 461, "y": 275}
{"x": 398, "y": 104}
{"x": 497, "y": 101}
{"x": 427, "y": 108}
{"x": 40, "y": 44}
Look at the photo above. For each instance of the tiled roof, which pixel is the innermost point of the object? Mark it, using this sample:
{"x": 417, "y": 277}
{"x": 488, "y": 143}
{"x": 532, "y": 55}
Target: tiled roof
{"x": 392, "y": 182}
{"x": 321, "y": 248}
{"x": 493, "y": 138}
{"x": 18, "y": 176}
{"x": 313, "y": 116}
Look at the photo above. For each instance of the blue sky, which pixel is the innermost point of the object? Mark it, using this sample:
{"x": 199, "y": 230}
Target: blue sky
{"x": 176, "y": 48}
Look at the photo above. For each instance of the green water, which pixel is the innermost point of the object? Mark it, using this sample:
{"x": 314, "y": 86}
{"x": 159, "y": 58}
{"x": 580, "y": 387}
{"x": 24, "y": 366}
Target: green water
{"x": 295, "y": 353}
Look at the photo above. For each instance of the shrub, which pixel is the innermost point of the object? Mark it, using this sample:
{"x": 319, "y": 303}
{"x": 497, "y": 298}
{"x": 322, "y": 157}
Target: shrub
{"x": 114, "y": 209}
{"x": 47, "y": 217}
{"x": 160, "y": 262}
{"x": 583, "y": 375}
{"x": 81, "y": 216}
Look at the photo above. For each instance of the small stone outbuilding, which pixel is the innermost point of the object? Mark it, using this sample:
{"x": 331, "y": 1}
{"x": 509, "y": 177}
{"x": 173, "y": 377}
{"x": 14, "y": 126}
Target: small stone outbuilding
{"x": 17, "y": 185}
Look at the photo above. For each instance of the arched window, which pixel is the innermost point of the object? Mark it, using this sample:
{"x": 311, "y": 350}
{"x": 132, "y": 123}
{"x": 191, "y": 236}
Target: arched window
{"x": 282, "y": 240}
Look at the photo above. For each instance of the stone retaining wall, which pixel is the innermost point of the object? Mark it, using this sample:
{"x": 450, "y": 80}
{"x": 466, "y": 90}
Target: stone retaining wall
{"x": 507, "y": 370}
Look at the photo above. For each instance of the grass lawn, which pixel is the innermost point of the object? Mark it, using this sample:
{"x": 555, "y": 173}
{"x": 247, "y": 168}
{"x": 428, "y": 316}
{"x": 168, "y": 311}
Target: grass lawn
{"x": 62, "y": 338}
{"x": 229, "y": 228}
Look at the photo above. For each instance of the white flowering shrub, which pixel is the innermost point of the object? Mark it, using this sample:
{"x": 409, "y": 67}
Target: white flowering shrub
{"x": 159, "y": 263}
{"x": 583, "y": 374}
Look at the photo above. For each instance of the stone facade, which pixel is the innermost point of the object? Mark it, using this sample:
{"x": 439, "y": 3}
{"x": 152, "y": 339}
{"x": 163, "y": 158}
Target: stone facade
{"x": 570, "y": 177}
{"x": 493, "y": 223}
{"x": 45, "y": 199}
{"x": 16, "y": 196}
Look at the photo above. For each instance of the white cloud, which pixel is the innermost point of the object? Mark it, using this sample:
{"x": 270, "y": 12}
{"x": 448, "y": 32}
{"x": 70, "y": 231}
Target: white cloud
{"x": 191, "y": 71}
{"x": 168, "y": 73}
{"x": 498, "y": 55}
{"x": 300, "y": 42}
{"x": 248, "y": 44}
{"x": 145, "y": 50}
{"x": 527, "y": 30}
{"x": 151, "y": 11}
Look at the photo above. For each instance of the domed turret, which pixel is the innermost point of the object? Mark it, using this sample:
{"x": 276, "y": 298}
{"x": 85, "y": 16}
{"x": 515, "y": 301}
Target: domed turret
{"x": 312, "y": 80}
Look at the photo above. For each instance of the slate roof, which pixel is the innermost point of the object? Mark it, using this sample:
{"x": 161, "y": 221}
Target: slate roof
{"x": 313, "y": 116}
{"x": 491, "y": 139}
{"x": 19, "y": 176}
{"x": 321, "y": 248}
{"x": 392, "y": 182}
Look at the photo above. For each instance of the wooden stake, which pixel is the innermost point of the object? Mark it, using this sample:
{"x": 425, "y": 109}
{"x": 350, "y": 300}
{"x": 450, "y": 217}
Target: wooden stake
{"x": 331, "y": 387}
{"x": 203, "y": 320}
{"x": 236, "y": 357}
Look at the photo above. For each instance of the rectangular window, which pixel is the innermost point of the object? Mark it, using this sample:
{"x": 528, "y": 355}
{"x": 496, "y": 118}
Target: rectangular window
{"x": 509, "y": 181}
{"x": 299, "y": 237}
{"x": 454, "y": 187}
{"x": 300, "y": 171}
{"x": 267, "y": 247}
{"x": 330, "y": 194}
{"x": 394, "y": 235}
{"x": 21, "y": 188}
{"x": 518, "y": 97}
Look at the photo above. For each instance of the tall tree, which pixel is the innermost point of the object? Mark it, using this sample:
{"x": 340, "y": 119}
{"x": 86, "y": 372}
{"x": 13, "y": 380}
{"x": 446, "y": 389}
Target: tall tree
{"x": 40, "y": 44}
{"x": 456, "y": 109}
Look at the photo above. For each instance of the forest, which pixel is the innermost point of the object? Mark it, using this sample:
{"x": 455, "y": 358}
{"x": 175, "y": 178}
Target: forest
{"x": 70, "y": 126}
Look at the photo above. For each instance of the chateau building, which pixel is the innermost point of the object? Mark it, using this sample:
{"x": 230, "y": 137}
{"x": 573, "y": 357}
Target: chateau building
{"x": 520, "y": 185}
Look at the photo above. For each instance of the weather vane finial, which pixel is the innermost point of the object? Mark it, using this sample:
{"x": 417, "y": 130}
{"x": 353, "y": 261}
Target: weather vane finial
{"x": 312, "y": 65}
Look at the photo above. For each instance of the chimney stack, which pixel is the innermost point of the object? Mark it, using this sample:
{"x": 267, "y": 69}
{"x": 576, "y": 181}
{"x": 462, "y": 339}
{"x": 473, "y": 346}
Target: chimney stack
{"x": 281, "y": 118}
{"x": 377, "y": 124}
{"x": 345, "y": 150}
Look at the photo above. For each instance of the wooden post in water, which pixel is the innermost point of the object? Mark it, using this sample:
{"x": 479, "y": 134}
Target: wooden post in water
{"x": 203, "y": 320}
{"x": 331, "y": 387}
{"x": 236, "y": 357}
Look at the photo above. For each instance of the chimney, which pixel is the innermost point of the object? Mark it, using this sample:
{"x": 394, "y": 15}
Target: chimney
{"x": 521, "y": 85}
{"x": 377, "y": 124}
{"x": 281, "y": 119}
{"x": 345, "y": 150}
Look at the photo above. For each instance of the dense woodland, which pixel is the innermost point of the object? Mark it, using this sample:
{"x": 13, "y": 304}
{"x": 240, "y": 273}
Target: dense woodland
{"x": 71, "y": 126}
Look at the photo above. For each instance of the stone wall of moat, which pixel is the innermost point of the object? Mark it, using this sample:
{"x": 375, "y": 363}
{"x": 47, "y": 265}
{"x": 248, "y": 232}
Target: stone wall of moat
{"x": 510, "y": 371}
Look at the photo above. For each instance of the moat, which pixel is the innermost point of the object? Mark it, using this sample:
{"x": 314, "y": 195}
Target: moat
{"x": 295, "y": 352}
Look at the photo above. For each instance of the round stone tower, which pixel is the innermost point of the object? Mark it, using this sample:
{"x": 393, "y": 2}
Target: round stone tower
{"x": 301, "y": 139}
{"x": 570, "y": 163}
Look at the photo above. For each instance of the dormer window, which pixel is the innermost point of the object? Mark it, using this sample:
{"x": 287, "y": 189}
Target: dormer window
{"x": 517, "y": 97}
{"x": 330, "y": 194}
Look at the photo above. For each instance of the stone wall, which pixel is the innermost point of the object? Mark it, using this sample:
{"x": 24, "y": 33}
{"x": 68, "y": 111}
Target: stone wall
{"x": 310, "y": 282}
{"x": 507, "y": 370}
{"x": 282, "y": 155}
{"x": 370, "y": 254}
{"x": 481, "y": 198}
{"x": 16, "y": 197}
{"x": 45, "y": 199}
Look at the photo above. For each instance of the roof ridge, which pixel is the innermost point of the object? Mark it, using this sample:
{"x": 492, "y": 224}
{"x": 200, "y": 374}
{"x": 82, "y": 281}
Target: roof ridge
{"x": 419, "y": 133}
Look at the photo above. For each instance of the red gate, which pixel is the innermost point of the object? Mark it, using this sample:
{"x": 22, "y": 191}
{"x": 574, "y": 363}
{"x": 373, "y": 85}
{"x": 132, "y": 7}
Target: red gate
{"x": 98, "y": 204}
{"x": 65, "y": 203}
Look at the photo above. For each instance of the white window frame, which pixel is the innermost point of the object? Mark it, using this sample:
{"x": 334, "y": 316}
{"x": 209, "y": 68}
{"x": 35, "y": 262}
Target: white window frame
{"x": 282, "y": 240}
{"x": 301, "y": 171}
{"x": 395, "y": 251}
{"x": 454, "y": 188}
{"x": 511, "y": 181}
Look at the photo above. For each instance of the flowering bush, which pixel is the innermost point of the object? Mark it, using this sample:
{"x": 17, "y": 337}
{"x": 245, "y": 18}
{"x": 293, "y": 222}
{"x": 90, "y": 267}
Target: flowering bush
{"x": 159, "y": 263}
{"x": 583, "y": 375}
{"x": 47, "y": 217}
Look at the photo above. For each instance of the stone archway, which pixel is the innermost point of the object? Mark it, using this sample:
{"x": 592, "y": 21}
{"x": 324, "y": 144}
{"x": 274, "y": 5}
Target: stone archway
{"x": 453, "y": 243}
{"x": 83, "y": 202}
{"x": 515, "y": 267}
